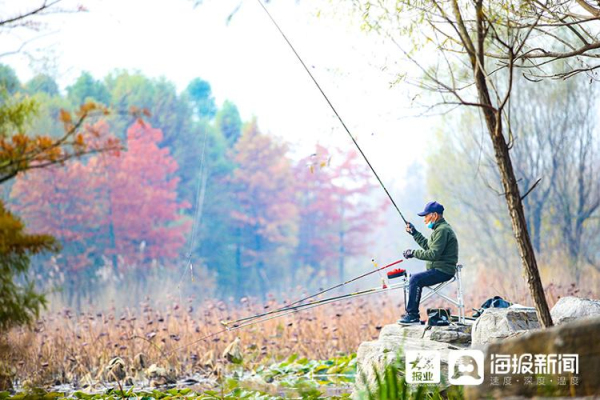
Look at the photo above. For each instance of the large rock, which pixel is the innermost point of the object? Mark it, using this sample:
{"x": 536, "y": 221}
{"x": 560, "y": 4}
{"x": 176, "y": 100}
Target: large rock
{"x": 500, "y": 323}
{"x": 373, "y": 357}
{"x": 578, "y": 337}
{"x": 458, "y": 335}
{"x": 571, "y": 308}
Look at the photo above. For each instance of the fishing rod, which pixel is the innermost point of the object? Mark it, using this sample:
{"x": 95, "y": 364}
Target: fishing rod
{"x": 332, "y": 108}
{"x": 303, "y": 307}
{"x": 295, "y": 305}
{"x": 230, "y": 327}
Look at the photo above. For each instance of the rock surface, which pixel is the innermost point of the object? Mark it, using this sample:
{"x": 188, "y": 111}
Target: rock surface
{"x": 571, "y": 308}
{"x": 459, "y": 335}
{"x": 501, "y": 323}
{"x": 577, "y": 337}
{"x": 395, "y": 339}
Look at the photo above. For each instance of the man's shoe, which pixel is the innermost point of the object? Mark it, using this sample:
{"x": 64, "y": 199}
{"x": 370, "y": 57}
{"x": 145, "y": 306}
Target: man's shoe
{"x": 409, "y": 319}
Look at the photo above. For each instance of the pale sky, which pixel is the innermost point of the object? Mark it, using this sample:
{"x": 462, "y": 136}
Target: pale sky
{"x": 248, "y": 62}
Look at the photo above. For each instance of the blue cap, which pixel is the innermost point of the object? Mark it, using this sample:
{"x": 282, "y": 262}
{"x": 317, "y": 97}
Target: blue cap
{"x": 432, "y": 207}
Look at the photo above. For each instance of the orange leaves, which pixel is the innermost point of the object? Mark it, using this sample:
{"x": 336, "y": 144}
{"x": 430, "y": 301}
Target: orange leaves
{"x": 318, "y": 160}
{"x": 19, "y": 140}
{"x": 88, "y": 107}
{"x": 16, "y": 242}
{"x": 44, "y": 142}
{"x": 139, "y": 112}
{"x": 21, "y": 152}
{"x": 86, "y": 110}
{"x": 79, "y": 141}
{"x": 65, "y": 116}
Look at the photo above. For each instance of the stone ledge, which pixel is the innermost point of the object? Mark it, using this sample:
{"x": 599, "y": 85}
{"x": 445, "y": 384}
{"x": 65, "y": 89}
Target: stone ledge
{"x": 395, "y": 339}
{"x": 571, "y": 308}
{"x": 501, "y": 323}
{"x": 578, "y": 337}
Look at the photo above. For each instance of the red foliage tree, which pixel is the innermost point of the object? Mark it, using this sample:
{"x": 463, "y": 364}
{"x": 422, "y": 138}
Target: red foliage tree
{"x": 138, "y": 191}
{"x": 123, "y": 205}
{"x": 338, "y": 209}
{"x": 56, "y": 200}
{"x": 266, "y": 216}
{"x": 319, "y": 213}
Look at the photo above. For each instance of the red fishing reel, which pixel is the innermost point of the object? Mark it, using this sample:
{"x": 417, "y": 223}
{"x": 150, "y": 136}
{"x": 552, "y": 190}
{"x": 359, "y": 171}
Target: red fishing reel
{"x": 396, "y": 273}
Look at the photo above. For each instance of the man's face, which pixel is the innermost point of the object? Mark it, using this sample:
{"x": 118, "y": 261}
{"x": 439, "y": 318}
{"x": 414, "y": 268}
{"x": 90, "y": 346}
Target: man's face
{"x": 431, "y": 217}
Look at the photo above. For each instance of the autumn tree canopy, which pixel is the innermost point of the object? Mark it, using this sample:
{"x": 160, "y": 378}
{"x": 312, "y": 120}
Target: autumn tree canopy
{"x": 136, "y": 205}
{"x": 113, "y": 205}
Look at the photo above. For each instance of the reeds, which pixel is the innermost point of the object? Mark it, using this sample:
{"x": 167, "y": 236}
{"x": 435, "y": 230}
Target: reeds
{"x": 65, "y": 347}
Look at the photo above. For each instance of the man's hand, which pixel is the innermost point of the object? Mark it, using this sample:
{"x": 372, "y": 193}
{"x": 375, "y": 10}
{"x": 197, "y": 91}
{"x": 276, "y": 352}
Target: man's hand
{"x": 410, "y": 228}
{"x": 408, "y": 254}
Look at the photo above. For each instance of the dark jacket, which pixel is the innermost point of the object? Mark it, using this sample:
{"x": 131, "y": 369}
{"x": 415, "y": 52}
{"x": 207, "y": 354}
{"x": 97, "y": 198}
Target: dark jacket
{"x": 440, "y": 250}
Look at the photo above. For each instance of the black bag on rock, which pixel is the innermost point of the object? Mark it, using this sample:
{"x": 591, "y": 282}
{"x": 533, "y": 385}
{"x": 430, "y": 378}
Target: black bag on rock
{"x": 494, "y": 302}
{"x": 438, "y": 316}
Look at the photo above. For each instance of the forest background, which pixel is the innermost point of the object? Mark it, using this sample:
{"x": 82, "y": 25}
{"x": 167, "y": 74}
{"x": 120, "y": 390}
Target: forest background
{"x": 200, "y": 202}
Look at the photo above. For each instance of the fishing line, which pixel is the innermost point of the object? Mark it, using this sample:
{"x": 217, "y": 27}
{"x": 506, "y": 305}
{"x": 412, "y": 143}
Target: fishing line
{"x": 294, "y": 304}
{"x": 383, "y": 282}
{"x": 200, "y": 192}
{"x": 289, "y": 310}
{"x": 332, "y": 108}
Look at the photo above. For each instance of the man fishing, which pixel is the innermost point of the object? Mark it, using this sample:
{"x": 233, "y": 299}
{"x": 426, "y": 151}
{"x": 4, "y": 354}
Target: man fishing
{"x": 441, "y": 253}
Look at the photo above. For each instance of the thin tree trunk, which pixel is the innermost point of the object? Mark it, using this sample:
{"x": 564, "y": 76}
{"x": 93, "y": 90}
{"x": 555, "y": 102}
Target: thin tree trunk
{"x": 239, "y": 278}
{"x": 517, "y": 214}
{"x": 262, "y": 284}
{"x": 341, "y": 257}
{"x": 493, "y": 119}
{"x": 342, "y": 248}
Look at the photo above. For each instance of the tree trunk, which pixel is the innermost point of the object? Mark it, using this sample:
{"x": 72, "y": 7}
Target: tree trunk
{"x": 239, "y": 278}
{"x": 517, "y": 214}
{"x": 342, "y": 252}
{"x": 260, "y": 265}
{"x": 342, "y": 248}
{"x": 111, "y": 235}
{"x": 493, "y": 119}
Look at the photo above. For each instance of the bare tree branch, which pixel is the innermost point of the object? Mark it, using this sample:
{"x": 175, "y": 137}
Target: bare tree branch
{"x": 46, "y": 5}
{"x": 589, "y": 8}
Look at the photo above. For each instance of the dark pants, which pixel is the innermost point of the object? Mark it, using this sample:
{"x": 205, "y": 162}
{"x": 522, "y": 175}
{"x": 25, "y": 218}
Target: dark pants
{"x": 416, "y": 284}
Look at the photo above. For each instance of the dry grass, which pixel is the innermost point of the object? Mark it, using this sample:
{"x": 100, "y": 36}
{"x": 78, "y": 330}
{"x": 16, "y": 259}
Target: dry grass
{"x": 64, "y": 347}
{"x": 68, "y": 348}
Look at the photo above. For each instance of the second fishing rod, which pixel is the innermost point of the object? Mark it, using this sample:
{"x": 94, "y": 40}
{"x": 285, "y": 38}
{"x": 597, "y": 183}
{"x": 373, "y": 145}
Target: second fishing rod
{"x": 307, "y": 306}
{"x": 333, "y": 109}
{"x": 300, "y": 302}
{"x": 230, "y": 326}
